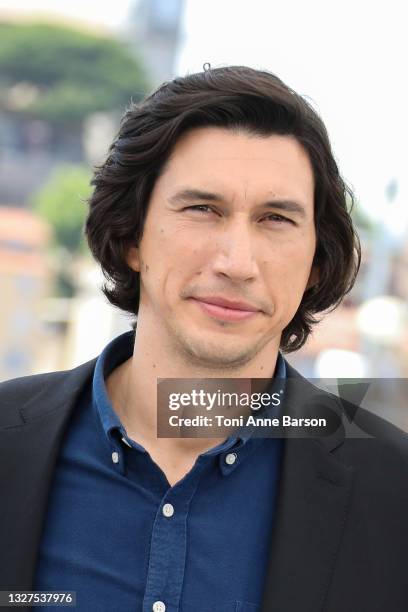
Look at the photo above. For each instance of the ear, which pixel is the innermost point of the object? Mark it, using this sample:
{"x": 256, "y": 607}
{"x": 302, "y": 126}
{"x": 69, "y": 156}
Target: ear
{"x": 314, "y": 277}
{"x": 133, "y": 259}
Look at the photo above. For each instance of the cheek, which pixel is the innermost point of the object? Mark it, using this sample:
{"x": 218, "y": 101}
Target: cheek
{"x": 168, "y": 262}
{"x": 184, "y": 251}
{"x": 296, "y": 266}
{"x": 298, "y": 253}
{"x": 287, "y": 270}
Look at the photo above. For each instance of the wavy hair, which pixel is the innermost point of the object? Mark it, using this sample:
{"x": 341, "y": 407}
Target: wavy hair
{"x": 236, "y": 98}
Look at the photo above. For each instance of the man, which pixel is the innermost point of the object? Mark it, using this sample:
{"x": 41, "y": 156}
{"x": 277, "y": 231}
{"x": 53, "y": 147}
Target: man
{"x": 220, "y": 219}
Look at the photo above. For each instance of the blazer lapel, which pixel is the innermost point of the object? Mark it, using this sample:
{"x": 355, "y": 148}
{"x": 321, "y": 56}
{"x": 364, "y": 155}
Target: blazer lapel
{"x": 29, "y": 448}
{"x": 313, "y": 502}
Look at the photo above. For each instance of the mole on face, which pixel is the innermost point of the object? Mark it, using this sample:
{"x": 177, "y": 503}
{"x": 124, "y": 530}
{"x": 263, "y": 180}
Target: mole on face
{"x": 144, "y": 265}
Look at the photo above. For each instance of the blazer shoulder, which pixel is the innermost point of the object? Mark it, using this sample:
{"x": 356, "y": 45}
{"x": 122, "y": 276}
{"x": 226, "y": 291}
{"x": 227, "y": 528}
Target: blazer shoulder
{"x": 26, "y": 385}
{"x": 380, "y": 444}
{"x": 367, "y": 438}
{"x": 378, "y": 450}
{"x": 51, "y": 388}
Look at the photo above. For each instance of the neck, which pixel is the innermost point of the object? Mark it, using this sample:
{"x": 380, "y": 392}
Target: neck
{"x": 132, "y": 387}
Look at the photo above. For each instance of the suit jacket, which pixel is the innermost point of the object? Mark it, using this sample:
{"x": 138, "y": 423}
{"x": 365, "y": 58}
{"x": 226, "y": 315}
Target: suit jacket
{"x": 340, "y": 535}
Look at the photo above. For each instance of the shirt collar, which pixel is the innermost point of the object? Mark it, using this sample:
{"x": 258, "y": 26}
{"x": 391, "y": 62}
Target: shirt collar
{"x": 280, "y": 369}
{"x": 115, "y": 353}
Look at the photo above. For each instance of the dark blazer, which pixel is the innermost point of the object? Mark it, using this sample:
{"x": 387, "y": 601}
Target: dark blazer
{"x": 340, "y": 537}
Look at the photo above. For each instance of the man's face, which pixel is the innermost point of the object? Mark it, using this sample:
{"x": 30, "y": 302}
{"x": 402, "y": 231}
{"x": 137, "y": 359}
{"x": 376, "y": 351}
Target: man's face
{"x": 231, "y": 218}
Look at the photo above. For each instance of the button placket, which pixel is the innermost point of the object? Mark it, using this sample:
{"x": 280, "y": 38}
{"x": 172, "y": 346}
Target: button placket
{"x": 169, "y": 544}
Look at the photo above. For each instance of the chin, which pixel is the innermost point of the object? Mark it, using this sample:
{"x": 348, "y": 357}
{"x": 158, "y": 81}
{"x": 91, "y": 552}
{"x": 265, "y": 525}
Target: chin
{"x": 220, "y": 353}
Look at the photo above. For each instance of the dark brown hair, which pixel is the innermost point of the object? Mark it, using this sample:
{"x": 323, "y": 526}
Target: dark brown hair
{"x": 234, "y": 97}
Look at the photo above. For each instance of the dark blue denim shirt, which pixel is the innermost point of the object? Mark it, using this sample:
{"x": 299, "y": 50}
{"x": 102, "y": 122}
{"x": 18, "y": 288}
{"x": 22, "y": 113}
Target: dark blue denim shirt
{"x": 125, "y": 540}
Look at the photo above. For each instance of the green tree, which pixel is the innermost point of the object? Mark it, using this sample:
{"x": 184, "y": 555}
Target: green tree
{"x": 61, "y": 202}
{"x": 59, "y": 74}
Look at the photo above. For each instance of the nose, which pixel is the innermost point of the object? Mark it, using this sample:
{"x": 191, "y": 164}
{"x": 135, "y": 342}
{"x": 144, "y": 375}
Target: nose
{"x": 234, "y": 251}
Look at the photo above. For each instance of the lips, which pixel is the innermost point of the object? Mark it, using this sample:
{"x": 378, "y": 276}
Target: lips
{"x": 225, "y": 303}
{"x": 227, "y": 311}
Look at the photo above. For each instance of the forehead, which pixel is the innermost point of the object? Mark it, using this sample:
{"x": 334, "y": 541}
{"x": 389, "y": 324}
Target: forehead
{"x": 225, "y": 160}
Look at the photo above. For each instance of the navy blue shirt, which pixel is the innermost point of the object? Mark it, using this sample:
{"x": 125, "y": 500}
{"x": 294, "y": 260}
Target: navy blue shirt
{"x": 119, "y": 535}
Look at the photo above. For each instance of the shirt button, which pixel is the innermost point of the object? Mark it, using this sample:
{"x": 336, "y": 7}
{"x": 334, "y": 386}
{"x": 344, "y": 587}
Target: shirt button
{"x": 115, "y": 457}
{"x": 168, "y": 510}
{"x": 230, "y": 458}
{"x": 158, "y": 606}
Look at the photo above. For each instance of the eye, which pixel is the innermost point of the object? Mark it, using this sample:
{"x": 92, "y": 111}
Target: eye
{"x": 199, "y": 208}
{"x": 277, "y": 218}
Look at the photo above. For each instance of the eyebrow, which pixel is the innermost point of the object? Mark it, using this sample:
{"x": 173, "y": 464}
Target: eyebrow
{"x": 189, "y": 195}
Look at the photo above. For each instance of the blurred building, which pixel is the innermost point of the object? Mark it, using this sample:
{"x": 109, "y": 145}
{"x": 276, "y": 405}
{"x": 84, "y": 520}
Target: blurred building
{"x": 24, "y": 281}
{"x": 91, "y": 321}
{"x": 154, "y": 28}
{"x": 27, "y": 144}
{"x": 32, "y": 148}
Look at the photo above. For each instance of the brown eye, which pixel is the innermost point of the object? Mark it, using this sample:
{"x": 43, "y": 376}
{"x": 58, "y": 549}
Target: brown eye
{"x": 199, "y": 207}
{"x": 277, "y": 218}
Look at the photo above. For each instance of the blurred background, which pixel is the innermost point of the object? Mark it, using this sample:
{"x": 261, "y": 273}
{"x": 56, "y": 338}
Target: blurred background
{"x": 67, "y": 72}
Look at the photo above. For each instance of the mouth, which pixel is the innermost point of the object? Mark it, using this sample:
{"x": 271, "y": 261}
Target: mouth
{"x": 222, "y": 311}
